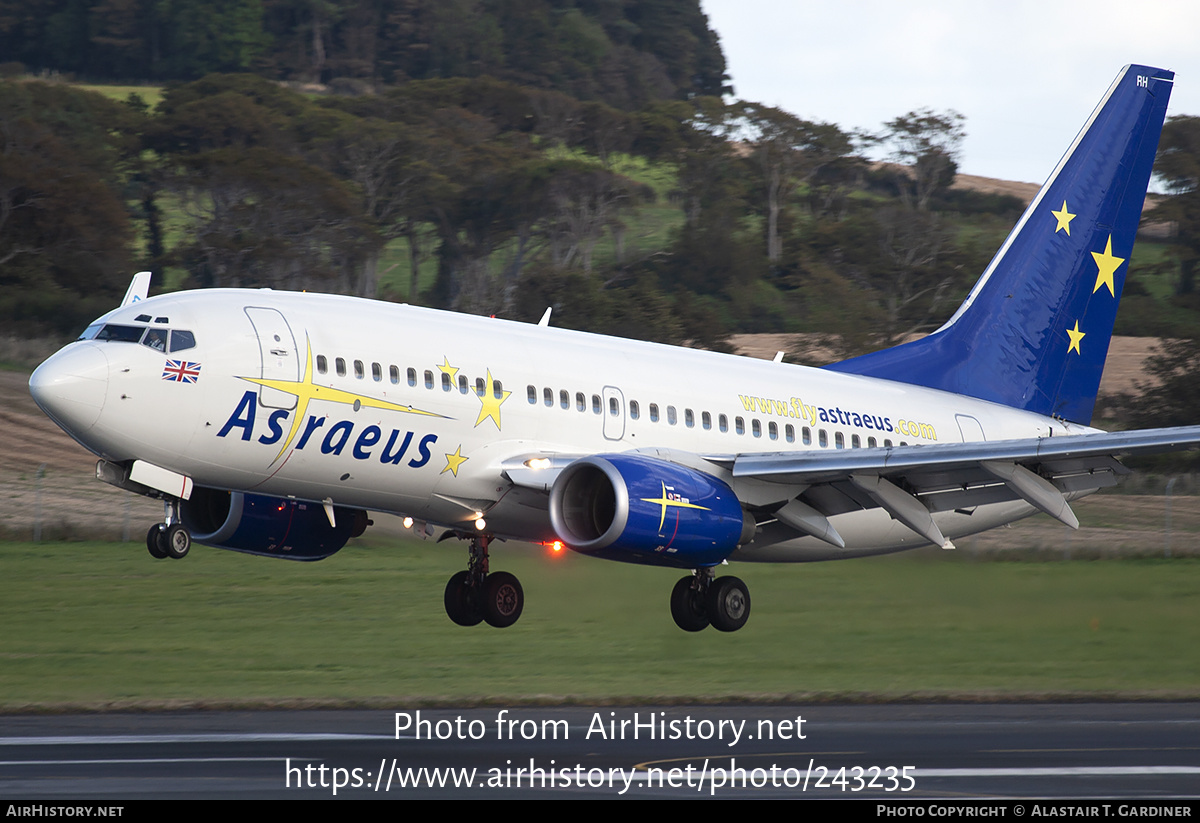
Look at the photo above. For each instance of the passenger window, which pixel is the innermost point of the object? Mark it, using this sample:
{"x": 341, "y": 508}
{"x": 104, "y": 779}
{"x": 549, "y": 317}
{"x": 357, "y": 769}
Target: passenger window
{"x": 614, "y": 408}
{"x": 182, "y": 340}
{"x": 739, "y": 425}
{"x": 412, "y": 377}
{"x": 376, "y": 372}
{"x": 564, "y": 398}
{"x": 653, "y": 412}
{"x": 531, "y": 394}
{"x": 706, "y": 420}
{"x": 887, "y": 444}
{"x": 839, "y": 440}
{"x": 595, "y": 404}
{"x": 322, "y": 364}
{"x": 789, "y": 433}
{"x": 462, "y": 384}
{"x": 806, "y": 435}
{"x": 580, "y": 401}
{"x": 773, "y": 430}
{"x": 447, "y": 385}
{"x": 689, "y": 419}
{"x": 428, "y": 379}
{"x": 341, "y": 367}
{"x": 671, "y": 415}
{"x": 634, "y": 411}
{"x": 480, "y": 387}
{"x": 497, "y": 390}
{"x": 394, "y": 374}
{"x": 723, "y": 423}
{"x": 548, "y": 397}
{"x": 360, "y": 371}
{"x": 871, "y": 442}
{"x": 823, "y": 439}
{"x": 756, "y": 427}
{"x": 855, "y": 442}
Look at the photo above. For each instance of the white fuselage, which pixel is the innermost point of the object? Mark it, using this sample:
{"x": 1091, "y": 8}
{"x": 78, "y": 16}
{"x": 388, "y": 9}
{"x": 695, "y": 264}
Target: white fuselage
{"x": 389, "y": 408}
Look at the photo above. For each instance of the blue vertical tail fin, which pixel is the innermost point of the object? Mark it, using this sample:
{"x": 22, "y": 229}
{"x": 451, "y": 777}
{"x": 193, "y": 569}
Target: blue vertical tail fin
{"x": 1034, "y": 331}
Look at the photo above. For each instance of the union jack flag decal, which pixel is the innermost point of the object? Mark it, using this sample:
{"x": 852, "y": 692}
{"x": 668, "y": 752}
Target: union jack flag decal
{"x": 181, "y": 371}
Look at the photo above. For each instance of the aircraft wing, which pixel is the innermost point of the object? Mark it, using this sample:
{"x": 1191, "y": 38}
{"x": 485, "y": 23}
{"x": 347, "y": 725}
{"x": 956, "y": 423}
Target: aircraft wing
{"x": 911, "y": 482}
{"x": 803, "y": 489}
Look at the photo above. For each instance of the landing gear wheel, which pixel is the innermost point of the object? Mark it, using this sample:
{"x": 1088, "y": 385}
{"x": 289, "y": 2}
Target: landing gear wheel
{"x": 462, "y": 600}
{"x": 728, "y": 604}
{"x": 177, "y": 541}
{"x": 156, "y": 542}
{"x": 503, "y": 600}
{"x": 687, "y": 606}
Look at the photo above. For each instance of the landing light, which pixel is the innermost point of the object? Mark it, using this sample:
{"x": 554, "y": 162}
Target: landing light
{"x": 480, "y": 524}
{"x": 538, "y": 462}
{"x": 408, "y": 522}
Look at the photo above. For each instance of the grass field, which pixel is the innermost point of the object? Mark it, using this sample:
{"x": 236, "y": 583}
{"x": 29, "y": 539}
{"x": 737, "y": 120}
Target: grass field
{"x": 91, "y": 624}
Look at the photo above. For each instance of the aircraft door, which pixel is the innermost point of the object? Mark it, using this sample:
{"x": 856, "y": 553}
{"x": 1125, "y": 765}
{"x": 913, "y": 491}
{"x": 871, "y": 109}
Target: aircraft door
{"x": 614, "y": 413}
{"x": 970, "y": 428}
{"x": 280, "y": 359}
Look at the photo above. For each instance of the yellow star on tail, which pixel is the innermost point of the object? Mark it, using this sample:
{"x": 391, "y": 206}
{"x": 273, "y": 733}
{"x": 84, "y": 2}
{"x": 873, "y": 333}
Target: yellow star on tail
{"x": 1076, "y": 335}
{"x": 490, "y": 403}
{"x": 1064, "y": 219}
{"x": 1108, "y": 265}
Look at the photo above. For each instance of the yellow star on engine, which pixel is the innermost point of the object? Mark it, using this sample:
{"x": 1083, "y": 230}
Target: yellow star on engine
{"x": 490, "y": 403}
{"x": 453, "y": 461}
{"x": 1108, "y": 265}
{"x": 1076, "y": 335}
{"x": 665, "y": 501}
{"x": 1064, "y": 219}
{"x": 447, "y": 368}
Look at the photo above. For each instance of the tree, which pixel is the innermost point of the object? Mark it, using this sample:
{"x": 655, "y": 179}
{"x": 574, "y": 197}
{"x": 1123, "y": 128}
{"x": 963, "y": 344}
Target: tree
{"x": 928, "y": 144}
{"x": 1178, "y": 166}
{"x": 789, "y": 152}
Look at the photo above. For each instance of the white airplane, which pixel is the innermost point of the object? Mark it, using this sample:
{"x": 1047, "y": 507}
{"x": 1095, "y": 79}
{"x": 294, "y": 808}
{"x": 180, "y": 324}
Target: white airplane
{"x": 271, "y": 422}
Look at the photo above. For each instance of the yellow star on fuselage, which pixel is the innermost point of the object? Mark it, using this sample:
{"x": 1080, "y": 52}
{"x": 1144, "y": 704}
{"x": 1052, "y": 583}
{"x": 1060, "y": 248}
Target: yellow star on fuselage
{"x": 664, "y": 501}
{"x": 453, "y": 461}
{"x": 1064, "y": 219}
{"x": 305, "y": 390}
{"x": 1076, "y": 335}
{"x": 447, "y": 368}
{"x": 490, "y": 403}
{"x": 1108, "y": 264}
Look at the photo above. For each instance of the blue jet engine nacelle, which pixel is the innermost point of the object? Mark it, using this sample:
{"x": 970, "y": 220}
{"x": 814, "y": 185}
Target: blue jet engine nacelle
{"x": 640, "y": 509}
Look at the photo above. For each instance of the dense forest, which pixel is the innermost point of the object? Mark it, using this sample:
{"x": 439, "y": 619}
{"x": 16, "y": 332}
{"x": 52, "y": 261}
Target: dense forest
{"x": 493, "y": 157}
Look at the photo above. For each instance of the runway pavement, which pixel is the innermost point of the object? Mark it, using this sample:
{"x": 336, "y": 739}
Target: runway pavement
{"x": 943, "y": 752}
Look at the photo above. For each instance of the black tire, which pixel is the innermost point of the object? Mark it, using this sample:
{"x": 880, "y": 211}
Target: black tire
{"x": 156, "y": 542}
{"x": 503, "y": 600}
{"x": 177, "y": 541}
{"x": 687, "y": 606}
{"x": 462, "y": 601}
{"x": 728, "y": 604}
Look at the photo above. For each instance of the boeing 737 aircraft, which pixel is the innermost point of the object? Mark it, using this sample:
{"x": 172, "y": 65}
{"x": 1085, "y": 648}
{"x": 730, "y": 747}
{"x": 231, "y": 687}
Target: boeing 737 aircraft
{"x": 271, "y": 423}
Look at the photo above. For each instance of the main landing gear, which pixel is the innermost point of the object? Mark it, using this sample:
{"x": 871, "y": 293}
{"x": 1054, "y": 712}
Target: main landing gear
{"x": 699, "y": 600}
{"x": 171, "y": 538}
{"x": 475, "y": 595}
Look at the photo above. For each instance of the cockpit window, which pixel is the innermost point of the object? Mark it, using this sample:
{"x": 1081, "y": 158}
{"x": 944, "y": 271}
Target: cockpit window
{"x": 181, "y": 340}
{"x": 120, "y": 334}
{"x": 156, "y": 339}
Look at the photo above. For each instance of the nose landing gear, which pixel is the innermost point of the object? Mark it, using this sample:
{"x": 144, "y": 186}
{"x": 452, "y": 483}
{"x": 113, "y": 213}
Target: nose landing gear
{"x": 171, "y": 538}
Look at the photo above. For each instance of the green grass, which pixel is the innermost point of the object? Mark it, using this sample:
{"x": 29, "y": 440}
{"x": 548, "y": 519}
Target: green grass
{"x": 152, "y": 95}
{"x": 91, "y": 623}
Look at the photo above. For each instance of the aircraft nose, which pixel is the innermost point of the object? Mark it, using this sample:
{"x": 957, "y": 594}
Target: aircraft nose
{"x": 71, "y": 386}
